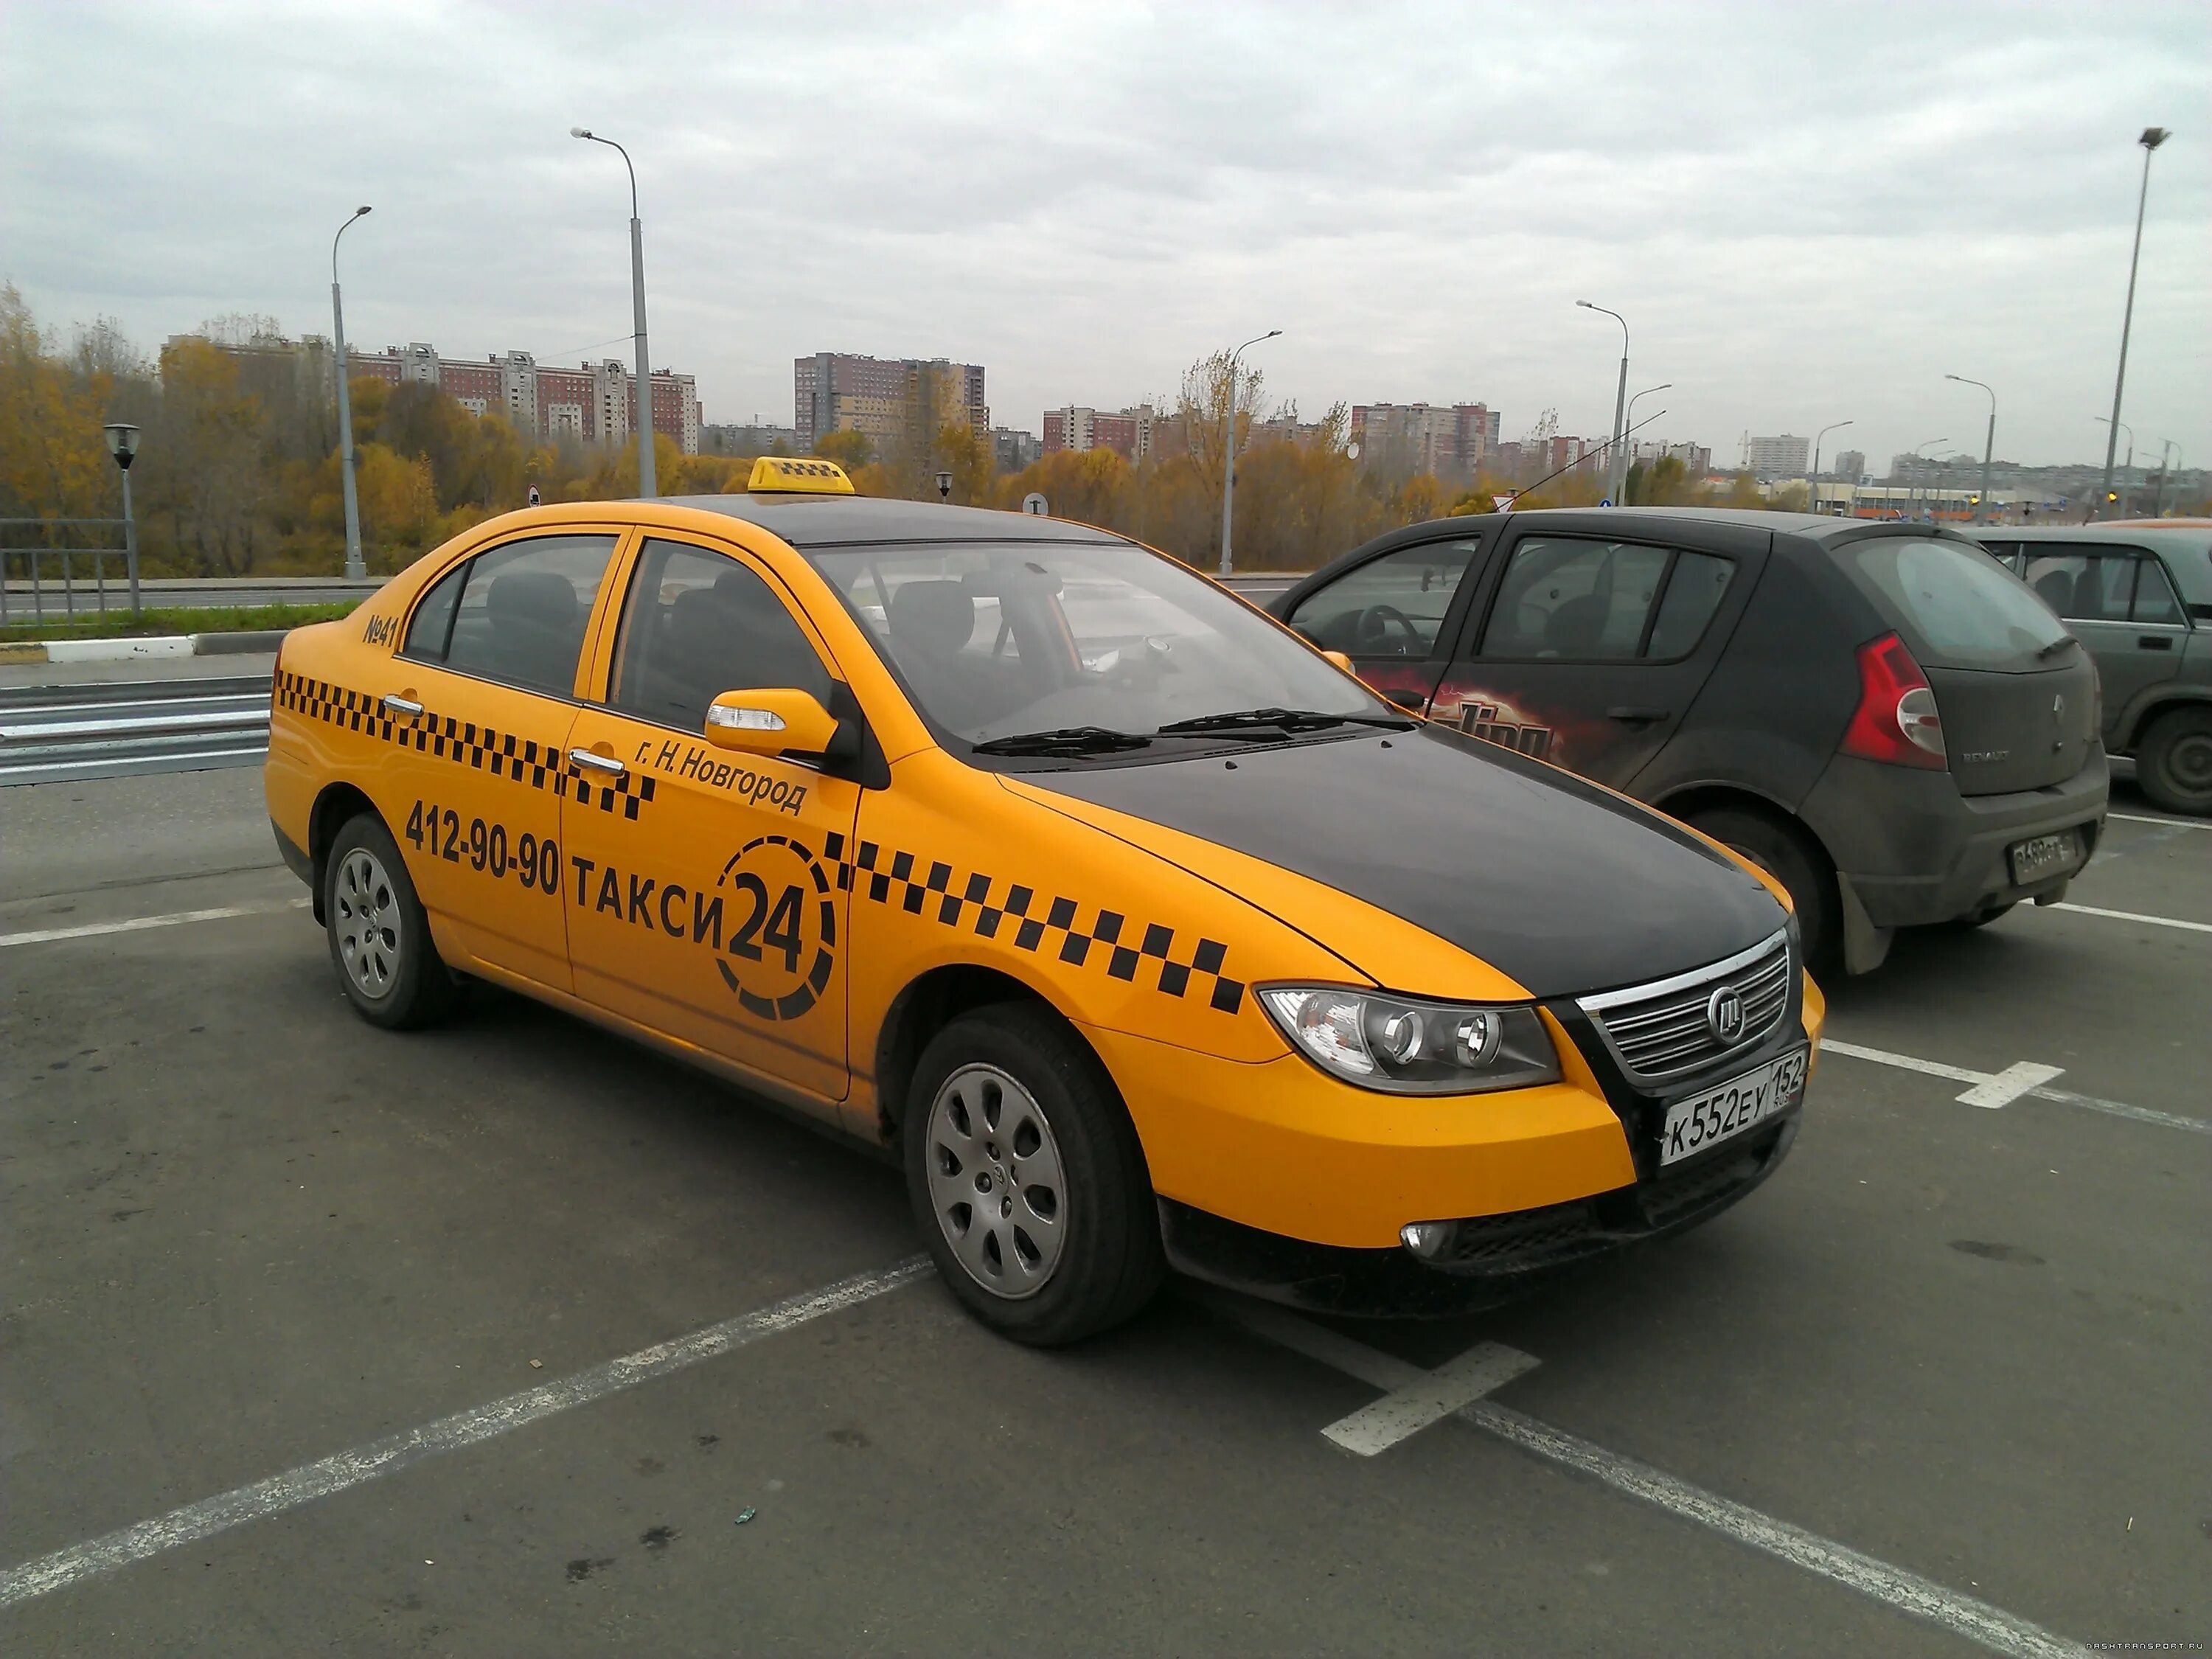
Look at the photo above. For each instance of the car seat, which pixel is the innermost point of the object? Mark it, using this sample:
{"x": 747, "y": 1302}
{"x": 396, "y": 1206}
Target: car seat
{"x": 537, "y": 628}
{"x": 1577, "y": 628}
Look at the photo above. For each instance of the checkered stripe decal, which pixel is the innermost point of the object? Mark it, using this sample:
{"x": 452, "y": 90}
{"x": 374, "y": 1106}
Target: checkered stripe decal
{"x": 502, "y": 754}
{"x": 989, "y": 907}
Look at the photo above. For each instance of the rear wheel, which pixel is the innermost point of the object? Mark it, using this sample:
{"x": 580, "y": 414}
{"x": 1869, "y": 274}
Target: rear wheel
{"x": 378, "y": 935}
{"x": 1780, "y": 851}
{"x": 1027, "y": 1179}
{"x": 2174, "y": 762}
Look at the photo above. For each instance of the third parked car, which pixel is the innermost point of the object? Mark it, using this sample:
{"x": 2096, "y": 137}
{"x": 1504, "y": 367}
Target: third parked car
{"x": 1878, "y": 715}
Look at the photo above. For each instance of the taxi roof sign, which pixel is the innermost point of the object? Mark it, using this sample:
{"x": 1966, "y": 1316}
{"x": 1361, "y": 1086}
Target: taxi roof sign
{"x": 801, "y": 475}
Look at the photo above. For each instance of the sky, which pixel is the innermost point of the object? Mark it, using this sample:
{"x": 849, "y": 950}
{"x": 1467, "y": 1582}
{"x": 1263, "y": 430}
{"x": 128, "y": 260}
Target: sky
{"x": 1807, "y": 213}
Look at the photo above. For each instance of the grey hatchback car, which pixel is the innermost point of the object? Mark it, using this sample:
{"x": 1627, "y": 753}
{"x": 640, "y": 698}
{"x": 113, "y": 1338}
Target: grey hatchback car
{"x": 2138, "y": 594}
{"x": 1879, "y": 714}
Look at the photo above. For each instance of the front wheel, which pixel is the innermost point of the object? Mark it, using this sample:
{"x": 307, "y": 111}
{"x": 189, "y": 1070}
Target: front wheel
{"x": 379, "y": 936}
{"x": 2174, "y": 762}
{"x": 1027, "y": 1179}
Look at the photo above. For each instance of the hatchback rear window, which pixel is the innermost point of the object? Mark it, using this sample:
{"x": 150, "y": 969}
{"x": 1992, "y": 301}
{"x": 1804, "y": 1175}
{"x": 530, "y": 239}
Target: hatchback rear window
{"x": 1954, "y": 603}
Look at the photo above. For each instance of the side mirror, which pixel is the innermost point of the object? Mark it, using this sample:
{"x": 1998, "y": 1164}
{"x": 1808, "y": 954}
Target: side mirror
{"x": 769, "y": 723}
{"x": 1342, "y": 661}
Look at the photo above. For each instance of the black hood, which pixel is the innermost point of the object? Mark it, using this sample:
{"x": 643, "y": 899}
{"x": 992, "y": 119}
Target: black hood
{"x": 1568, "y": 889}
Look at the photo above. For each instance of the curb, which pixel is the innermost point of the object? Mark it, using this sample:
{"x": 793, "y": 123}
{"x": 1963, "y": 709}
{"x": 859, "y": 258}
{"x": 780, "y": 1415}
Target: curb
{"x": 161, "y": 644}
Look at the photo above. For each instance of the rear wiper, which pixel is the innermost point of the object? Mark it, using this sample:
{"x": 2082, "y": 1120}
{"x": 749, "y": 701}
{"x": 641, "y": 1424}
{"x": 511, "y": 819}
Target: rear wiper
{"x": 2056, "y": 647}
{"x": 1065, "y": 740}
{"x": 1280, "y": 720}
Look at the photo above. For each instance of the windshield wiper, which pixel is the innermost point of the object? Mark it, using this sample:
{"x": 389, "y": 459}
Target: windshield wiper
{"x": 1065, "y": 740}
{"x": 1263, "y": 721}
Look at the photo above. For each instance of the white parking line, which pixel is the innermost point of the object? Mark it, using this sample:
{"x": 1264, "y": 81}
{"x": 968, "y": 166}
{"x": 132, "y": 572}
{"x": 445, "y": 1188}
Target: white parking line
{"x": 2040, "y": 1092}
{"x": 2019, "y": 1078}
{"x": 394, "y": 1452}
{"x": 1433, "y": 1397}
{"x": 139, "y": 924}
{"x": 1963, "y": 1615}
{"x": 2170, "y": 823}
{"x": 2132, "y": 915}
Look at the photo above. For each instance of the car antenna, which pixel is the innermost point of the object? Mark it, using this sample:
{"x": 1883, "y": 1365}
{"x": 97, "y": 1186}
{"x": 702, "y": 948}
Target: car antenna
{"x": 1583, "y": 456}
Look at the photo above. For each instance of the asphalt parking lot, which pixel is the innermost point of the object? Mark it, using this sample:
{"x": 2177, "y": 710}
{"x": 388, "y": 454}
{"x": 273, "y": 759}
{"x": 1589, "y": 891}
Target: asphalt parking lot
{"x": 313, "y": 1332}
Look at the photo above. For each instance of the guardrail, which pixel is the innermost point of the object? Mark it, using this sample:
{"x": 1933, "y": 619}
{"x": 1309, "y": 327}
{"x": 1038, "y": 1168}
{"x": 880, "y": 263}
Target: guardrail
{"x": 69, "y": 559}
{"x": 67, "y": 734}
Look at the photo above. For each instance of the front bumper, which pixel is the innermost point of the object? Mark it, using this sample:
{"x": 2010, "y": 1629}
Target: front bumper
{"x": 1910, "y": 850}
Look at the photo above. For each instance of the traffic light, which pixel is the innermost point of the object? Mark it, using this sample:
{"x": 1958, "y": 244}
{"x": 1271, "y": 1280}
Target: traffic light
{"x": 2112, "y": 494}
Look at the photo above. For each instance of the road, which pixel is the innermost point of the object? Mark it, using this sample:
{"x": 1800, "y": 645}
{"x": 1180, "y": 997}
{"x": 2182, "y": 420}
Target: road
{"x": 247, "y": 1232}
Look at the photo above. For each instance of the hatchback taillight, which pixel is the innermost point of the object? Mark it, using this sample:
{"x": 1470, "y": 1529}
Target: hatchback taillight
{"x": 1896, "y": 721}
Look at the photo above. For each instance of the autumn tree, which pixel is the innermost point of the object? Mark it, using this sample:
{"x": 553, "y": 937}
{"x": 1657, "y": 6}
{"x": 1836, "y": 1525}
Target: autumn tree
{"x": 849, "y": 448}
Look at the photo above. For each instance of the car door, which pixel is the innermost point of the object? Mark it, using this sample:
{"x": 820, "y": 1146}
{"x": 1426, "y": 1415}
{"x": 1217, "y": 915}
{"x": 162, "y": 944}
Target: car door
{"x": 1587, "y": 646}
{"x": 486, "y": 675}
{"x": 701, "y": 885}
{"x": 1393, "y": 614}
{"x": 2119, "y": 602}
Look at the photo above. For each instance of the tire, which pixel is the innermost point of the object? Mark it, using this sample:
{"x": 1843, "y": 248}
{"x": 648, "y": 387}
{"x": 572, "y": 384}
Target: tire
{"x": 2174, "y": 762}
{"x": 1010, "y": 1091}
{"x": 1781, "y": 853}
{"x": 379, "y": 936}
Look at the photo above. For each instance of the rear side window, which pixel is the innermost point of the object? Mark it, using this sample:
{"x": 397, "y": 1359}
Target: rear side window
{"x": 521, "y": 612}
{"x": 1575, "y": 600}
{"x": 1953, "y": 602}
{"x": 1392, "y": 606}
{"x": 2155, "y": 601}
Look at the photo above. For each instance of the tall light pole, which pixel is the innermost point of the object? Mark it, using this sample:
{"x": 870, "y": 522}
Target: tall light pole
{"x": 1628, "y": 425}
{"x": 1813, "y": 478}
{"x": 2151, "y": 139}
{"x": 123, "y": 445}
{"x": 647, "y": 485}
{"x": 2104, "y": 502}
{"x": 1989, "y": 443}
{"x": 354, "y": 569}
{"x": 2169, "y": 453}
{"x": 1615, "y": 473}
{"x": 1229, "y": 447}
{"x": 1917, "y": 458}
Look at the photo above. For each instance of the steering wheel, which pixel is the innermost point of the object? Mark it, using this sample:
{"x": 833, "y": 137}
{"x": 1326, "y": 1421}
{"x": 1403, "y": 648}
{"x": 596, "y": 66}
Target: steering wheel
{"x": 1374, "y": 625}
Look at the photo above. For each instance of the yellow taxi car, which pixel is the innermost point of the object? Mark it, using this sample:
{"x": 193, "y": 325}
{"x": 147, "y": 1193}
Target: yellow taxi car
{"x": 1144, "y": 934}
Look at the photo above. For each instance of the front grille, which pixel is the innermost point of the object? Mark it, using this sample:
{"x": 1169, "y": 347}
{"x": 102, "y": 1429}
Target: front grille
{"x": 1661, "y": 1030}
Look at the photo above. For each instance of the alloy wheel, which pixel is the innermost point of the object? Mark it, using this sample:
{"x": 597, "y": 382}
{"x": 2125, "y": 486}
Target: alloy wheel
{"x": 996, "y": 1186}
{"x": 366, "y": 923}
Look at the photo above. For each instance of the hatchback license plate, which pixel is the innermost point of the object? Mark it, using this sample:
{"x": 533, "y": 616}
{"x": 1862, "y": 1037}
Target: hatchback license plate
{"x": 2043, "y": 855}
{"x": 1696, "y": 1123}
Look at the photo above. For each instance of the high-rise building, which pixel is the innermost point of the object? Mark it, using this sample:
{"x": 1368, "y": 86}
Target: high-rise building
{"x": 892, "y": 400}
{"x": 1013, "y": 450}
{"x": 1447, "y": 440}
{"x": 1696, "y": 460}
{"x": 1779, "y": 456}
{"x": 1851, "y": 465}
{"x": 1129, "y": 432}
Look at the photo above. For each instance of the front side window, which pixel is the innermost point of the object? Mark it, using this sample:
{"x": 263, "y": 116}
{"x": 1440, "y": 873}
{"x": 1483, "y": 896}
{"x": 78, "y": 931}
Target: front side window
{"x": 1391, "y": 606}
{"x": 697, "y": 624}
{"x": 1577, "y": 600}
{"x": 517, "y": 614}
{"x": 1000, "y": 640}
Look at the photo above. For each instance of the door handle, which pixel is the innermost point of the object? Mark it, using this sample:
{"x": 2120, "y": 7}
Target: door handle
{"x": 2155, "y": 642}
{"x": 395, "y": 704}
{"x": 1638, "y": 716}
{"x": 606, "y": 763}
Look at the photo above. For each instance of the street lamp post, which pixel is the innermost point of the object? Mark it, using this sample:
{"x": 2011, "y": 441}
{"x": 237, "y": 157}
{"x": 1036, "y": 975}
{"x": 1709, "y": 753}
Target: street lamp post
{"x": 354, "y": 569}
{"x": 1813, "y": 479}
{"x": 1615, "y": 473}
{"x": 2151, "y": 139}
{"x": 1628, "y": 425}
{"x": 1229, "y": 448}
{"x": 123, "y": 444}
{"x": 2169, "y": 453}
{"x": 1989, "y": 443}
{"x": 1917, "y": 458}
{"x": 647, "y": 485}
{"x": 2104, "y": 502}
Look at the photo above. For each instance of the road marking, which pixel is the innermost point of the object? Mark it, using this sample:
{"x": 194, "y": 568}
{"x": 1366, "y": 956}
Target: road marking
{"x": 1963, "y": 1615}
{"x": 2170, "y": 823}
{"x": 393, "y": 1452}
{"x": 2132, "y": 915}
{"x": 139, "y": 924}
{"x": 1437, "y": 1394}
{"x": 2009, "y": 1085}
{"x": 2062, "y": 1096}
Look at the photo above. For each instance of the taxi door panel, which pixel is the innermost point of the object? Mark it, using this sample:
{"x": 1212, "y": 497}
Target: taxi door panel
{"x": 701, "y": 885}
{"x": 480, "y": 724}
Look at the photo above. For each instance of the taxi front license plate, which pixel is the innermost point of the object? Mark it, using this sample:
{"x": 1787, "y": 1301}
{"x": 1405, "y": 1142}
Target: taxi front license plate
{"x": 1742, "y": 1103}
{"x": 2043, "y": 856}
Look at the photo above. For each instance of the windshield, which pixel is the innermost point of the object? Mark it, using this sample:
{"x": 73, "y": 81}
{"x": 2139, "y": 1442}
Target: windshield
{"x": 997, "y": 640}
{"x": 1955, "y": 602}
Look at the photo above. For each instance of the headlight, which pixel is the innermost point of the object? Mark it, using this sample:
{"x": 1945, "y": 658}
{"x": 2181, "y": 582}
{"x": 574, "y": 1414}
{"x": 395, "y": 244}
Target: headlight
{"x": 1404, "y": 1046}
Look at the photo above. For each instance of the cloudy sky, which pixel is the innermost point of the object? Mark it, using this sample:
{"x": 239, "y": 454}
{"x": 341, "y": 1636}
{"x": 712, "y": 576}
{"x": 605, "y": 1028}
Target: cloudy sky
{"x": 1808, "y": 213}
